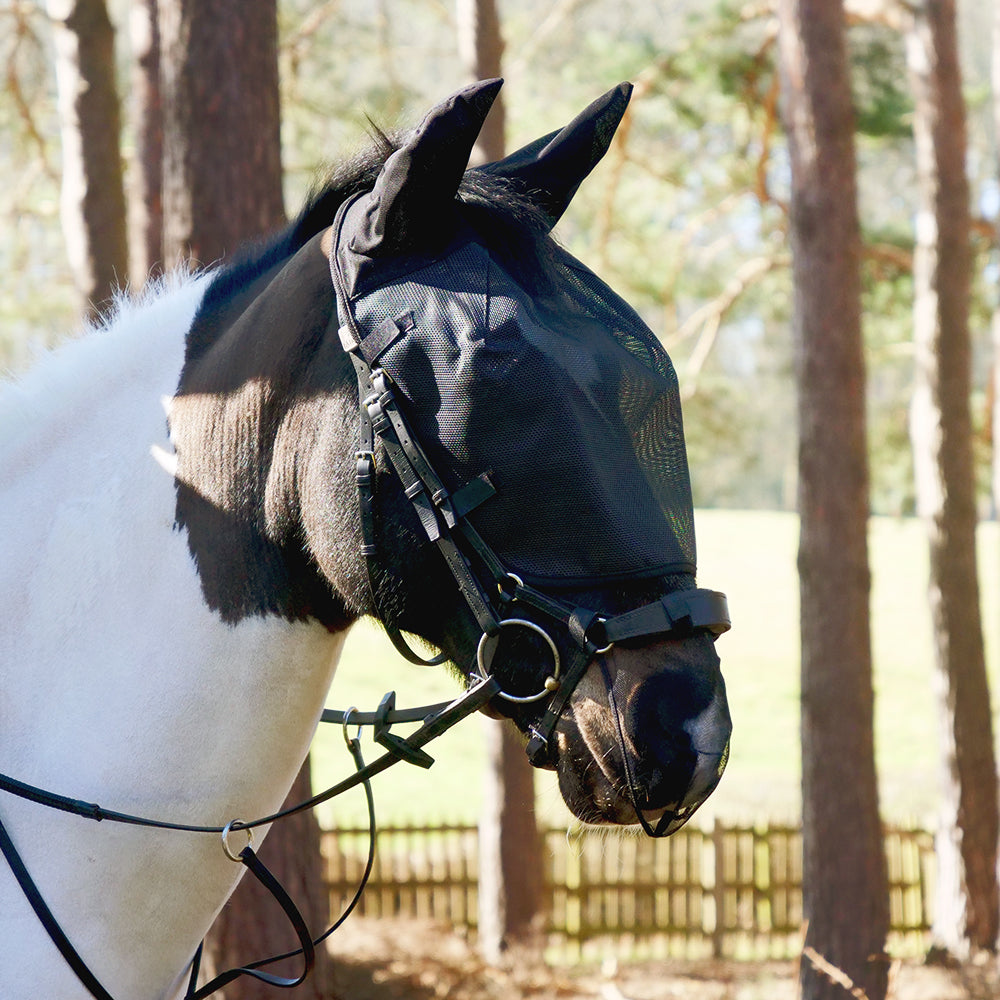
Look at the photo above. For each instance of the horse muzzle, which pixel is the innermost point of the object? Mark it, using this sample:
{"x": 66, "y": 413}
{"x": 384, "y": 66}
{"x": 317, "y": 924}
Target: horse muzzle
{"x": 646, "y": 745}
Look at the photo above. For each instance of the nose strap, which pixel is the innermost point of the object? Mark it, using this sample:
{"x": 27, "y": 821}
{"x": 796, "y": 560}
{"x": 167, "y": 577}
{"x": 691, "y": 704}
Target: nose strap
{"x": 538, "y": 749}
{"x": 680, "y": 612}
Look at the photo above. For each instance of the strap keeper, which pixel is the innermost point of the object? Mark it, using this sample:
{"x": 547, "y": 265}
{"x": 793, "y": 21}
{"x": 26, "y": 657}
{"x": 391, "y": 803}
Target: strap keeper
{"x": 365, "y": 467}
{"x": 347, "y": 340}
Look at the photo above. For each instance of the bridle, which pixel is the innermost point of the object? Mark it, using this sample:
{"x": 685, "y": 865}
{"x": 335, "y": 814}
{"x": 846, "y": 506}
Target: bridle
{"x": 443, "y": 516}
{"x": 491, "y": 591}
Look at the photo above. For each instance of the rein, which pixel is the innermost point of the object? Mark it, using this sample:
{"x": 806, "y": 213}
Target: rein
{"x": 436, "y": 719}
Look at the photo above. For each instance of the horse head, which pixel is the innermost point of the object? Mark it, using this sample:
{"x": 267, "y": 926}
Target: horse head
{"x": 521, "y": 420}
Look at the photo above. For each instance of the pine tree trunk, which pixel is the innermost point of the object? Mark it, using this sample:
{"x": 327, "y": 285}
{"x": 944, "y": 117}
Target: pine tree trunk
{"x": 995, "y": 379}
{"x": 967, "y": 899}
{"x": 480, "y": 47}
{"x": 221, "y": 125}
{"x": 222, "y": 185}
{"x": 510, "y": 848}
{"x": 845, "y": 898}
{"x": 145, "y": 215}
{"x": 93, "y": 198}
{"x": 511, "y": 870}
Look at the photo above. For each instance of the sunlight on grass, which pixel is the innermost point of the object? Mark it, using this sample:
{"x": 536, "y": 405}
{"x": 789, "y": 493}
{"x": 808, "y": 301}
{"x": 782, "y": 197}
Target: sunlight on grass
{"x": 751, "y": 556}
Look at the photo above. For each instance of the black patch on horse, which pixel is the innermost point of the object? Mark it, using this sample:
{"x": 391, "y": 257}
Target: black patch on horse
{"x": 262, "y": 344}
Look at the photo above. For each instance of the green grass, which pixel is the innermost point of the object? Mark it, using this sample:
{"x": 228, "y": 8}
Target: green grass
{"x": 751, "y": 556}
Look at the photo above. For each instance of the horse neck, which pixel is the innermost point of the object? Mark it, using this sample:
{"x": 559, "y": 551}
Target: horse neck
{"x": 120, "y": 684}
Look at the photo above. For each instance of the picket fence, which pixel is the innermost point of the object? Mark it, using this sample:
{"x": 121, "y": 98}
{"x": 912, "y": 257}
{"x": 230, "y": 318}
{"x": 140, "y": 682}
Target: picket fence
{"x": 724, "y": 891}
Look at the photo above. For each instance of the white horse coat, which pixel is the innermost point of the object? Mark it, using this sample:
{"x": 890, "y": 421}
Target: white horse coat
{"x": 118, "y": 685}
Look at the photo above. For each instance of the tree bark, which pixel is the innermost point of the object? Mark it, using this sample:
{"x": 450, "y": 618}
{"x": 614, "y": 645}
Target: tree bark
{"x": 480, "y": 47}
{"x": 93, "y": 198}
{"x": 511, "y": 869}
{"x": 145, "y": 214}
{"x": 967, "y": 906}
{"x": 845, "y": 897}
{"x": 221, "y": 126}
{"x": 995, "y": 371}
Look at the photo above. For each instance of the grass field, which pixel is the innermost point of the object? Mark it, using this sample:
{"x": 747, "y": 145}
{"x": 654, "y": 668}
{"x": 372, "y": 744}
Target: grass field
{"x": 751, "y": 556}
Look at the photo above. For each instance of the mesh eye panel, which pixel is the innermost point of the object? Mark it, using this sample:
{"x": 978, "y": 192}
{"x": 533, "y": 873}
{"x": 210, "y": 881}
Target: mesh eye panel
{"x": 564, "y": 397}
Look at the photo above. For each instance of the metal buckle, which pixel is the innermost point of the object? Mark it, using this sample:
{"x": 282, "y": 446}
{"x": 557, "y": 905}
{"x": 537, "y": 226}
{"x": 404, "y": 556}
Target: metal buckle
{"x": 551, "y": 682}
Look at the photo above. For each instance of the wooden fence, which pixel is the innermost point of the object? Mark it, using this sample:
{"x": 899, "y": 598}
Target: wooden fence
{"x": 728, "y": 891}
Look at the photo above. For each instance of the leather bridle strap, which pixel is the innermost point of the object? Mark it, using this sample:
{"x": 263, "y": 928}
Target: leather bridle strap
{"x": 47, "y": 920}
{"x": 93, "y": 985}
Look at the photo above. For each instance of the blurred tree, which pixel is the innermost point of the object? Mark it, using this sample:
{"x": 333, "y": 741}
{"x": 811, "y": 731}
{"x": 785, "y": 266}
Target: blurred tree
{"x": 93, "y": 197}
{"x": 222, "y": 185}
{"x": 221, "y": 126}
{"x": 146, "y": 188}
{"x": 967, "y": 902}
{"x": 845, "y": 895}
{"x": 994, "y": 389}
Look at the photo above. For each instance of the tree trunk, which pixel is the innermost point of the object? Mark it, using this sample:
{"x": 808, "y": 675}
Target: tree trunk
{"x": 221, "y": 186}
{"x": 93, "y": 198}
{"x": 845, "y": 898}
{"x": 480, "y": 47}
{"x": 511, "y": 869}
{"x": 995, "y": 372}
{"x": 146, "y": 187}
{"x": 221, "y": 126}
{"x": 967, "y": 899}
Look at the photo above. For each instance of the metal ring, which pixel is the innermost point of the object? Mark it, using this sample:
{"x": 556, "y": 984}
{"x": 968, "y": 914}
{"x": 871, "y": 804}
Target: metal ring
{"x": 347, "y": 722}
{"x": 551, "y": 682}
{"x": 517, "y": 581}
{"x": 604, "y": 649}
{"x": 226, "y": 830}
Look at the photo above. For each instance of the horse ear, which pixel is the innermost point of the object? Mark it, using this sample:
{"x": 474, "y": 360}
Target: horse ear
{"x": 551, "y": 169}
{"x": 415, "y": 192}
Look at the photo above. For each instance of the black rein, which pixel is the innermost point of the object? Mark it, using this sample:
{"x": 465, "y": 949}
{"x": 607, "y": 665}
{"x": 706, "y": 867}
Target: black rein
{"x": 436, "y": 719}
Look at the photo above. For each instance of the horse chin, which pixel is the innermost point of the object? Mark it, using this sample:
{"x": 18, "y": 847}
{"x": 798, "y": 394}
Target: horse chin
{"x": 596, "y": 797}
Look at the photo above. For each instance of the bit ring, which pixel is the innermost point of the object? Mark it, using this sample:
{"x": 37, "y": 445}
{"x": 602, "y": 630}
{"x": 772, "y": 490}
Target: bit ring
{"x": 551, "y": 682}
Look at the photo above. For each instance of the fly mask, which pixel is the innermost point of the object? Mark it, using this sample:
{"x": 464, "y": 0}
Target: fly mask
{"x": 532, "y": 416}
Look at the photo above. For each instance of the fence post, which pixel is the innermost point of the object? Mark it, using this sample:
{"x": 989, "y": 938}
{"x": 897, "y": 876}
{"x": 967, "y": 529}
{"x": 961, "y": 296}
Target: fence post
{"x": 719, "y": 889}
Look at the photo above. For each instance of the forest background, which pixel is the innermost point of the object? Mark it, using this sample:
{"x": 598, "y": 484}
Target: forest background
{"x": 687, "y": 217}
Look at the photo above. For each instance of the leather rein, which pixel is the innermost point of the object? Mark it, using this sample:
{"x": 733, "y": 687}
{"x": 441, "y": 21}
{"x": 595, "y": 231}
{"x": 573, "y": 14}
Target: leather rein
{"x": 436, "y": 719}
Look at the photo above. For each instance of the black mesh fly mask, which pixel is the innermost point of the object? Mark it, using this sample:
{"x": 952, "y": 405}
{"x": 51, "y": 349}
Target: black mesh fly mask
{"x": 532, "y": 418}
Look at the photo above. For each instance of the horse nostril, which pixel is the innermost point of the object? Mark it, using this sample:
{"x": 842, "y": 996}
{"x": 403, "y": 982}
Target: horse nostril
{"x": 681, "y": 735}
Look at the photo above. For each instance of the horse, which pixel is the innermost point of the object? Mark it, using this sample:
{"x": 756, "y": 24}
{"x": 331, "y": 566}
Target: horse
{"x": 411, "y": 404}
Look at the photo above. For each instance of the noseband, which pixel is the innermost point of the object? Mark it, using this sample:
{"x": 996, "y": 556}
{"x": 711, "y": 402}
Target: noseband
{"x": 443, "y": 516}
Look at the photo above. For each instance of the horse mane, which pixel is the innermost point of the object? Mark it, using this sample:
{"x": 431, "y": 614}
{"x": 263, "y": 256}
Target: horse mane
{"x": 509, "y": 222}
